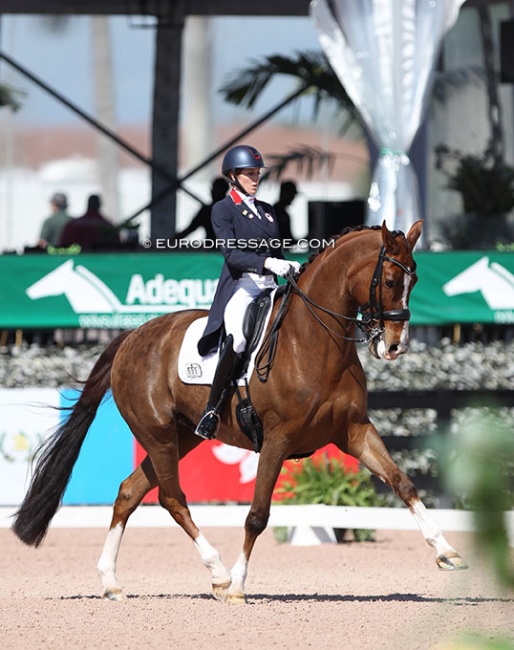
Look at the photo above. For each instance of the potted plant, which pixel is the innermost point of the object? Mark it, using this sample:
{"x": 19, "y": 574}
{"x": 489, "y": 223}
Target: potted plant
{"x": 486, "y": 185}
{"x": 327, "y": 481}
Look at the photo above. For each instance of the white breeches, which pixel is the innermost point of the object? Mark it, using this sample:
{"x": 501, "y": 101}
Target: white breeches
{"x": 248, "y": 287}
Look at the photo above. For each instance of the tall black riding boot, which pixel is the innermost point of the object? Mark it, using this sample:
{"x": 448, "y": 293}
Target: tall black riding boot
{"x": 209, "y": 422}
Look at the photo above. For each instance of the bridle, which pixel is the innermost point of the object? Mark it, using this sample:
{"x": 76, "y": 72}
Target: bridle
{"x": 372, "y": 315}
{"x": 373, "y": 311}
{"x": 370, "y": 321}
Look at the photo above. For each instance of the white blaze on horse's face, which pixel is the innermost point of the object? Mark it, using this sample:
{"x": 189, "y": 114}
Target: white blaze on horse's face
{"x": 404, "y": 338}
{"x": 390, "y": 352}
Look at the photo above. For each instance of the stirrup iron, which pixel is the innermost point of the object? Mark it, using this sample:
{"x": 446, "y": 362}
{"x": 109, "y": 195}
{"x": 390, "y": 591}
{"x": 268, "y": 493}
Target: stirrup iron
{"x": 209, "y": 424}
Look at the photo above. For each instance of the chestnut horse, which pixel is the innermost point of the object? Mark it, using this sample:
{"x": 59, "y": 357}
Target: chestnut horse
{"x": 315, "y": 394}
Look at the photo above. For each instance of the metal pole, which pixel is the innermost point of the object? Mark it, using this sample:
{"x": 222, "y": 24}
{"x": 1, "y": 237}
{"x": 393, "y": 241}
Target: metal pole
{"x": 244, "y": 132}
{"x": 97, "y": 125}
{"x": 221, "y": 149}
{"x": 165, "y": 121}
{"x": 108, "y": 164}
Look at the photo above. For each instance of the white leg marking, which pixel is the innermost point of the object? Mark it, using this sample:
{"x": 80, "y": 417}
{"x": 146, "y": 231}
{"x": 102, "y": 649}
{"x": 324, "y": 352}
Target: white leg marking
{"x": 431, "y": 532}
{"x": 211, "y": 559}
{"x": 107, "y": 563}
{"x": 238, "y": 575}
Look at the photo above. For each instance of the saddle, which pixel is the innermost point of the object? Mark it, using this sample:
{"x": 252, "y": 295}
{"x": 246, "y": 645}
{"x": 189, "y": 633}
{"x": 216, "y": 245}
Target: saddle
{"x": 253, "y": 324}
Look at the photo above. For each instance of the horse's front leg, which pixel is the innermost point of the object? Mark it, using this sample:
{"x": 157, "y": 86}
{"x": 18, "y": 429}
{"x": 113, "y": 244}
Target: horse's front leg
{"x": 367, "y": 446}
{"x": 220, "y": 578}
{"x": 270, "y": 464}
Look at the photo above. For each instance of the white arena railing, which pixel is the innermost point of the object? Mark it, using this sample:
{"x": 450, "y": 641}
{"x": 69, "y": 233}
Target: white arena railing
{"x": 308, "y": 524}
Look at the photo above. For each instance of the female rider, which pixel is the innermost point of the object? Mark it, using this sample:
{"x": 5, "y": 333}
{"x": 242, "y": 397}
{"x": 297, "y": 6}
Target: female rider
{"x": 244, "y": 228}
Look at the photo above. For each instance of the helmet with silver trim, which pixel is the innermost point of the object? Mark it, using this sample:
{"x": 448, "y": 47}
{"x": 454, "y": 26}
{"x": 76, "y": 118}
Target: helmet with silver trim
{"x": 242, "y": 156}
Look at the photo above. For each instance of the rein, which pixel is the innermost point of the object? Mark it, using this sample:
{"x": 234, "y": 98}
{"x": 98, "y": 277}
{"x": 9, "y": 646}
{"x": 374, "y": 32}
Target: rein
{"x": 269, "y": 345}
{"x": 372, "y": 312}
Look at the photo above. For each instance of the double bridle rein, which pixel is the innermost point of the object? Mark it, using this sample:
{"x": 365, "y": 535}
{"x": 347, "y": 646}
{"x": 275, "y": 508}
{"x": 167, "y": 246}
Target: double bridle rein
{"x": 370, "y": 320}
{"x": 372, "y": 314}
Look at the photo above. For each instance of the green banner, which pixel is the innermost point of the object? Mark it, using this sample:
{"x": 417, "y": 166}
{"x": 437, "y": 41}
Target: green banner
{"x": 463, "y": 287}
{"x": 122, "y": 291}
{"x": 104, "y": 291}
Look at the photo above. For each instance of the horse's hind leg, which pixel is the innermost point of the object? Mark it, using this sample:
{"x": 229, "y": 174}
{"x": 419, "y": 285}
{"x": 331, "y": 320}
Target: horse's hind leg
{"x": 165, "y": 451}
{"x": 367, "y": 446}
{"x": 173, "y": 500}
{"x": 131, "y": 493}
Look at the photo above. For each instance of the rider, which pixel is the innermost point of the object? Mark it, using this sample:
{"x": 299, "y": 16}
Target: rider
{"x": 244, "y": 227}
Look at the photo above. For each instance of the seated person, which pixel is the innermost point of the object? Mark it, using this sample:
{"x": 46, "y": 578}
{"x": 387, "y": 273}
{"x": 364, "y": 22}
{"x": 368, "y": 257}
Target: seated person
{"x": 92, "y": 231}
{"x": 54, "y": 224}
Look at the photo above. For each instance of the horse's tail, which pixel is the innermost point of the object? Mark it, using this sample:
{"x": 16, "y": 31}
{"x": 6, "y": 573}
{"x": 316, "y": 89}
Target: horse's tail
{"x": 57, "y": 455}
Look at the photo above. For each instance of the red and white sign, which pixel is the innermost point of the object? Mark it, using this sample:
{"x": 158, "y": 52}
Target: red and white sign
{"x": 215, "y": 471}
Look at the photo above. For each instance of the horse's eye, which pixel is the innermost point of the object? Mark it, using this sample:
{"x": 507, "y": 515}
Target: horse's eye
{"x": 389, "y": 284}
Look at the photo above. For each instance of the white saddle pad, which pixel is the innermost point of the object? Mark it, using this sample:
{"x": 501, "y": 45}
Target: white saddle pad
{"x": 195, "y": 369}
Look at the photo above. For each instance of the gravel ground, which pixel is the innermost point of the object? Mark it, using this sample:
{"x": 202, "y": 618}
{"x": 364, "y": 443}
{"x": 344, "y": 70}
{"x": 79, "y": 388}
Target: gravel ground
{"x": 386, "y": 595}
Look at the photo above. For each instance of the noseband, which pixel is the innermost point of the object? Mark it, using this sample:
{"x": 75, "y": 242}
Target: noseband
{"x": 373, "y": 311}
{"x": 372, "y": 314}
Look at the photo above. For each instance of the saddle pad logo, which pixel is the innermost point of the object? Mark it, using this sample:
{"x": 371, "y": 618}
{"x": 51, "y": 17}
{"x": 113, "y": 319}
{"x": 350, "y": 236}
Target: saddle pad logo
{"x": 193, "y": 371}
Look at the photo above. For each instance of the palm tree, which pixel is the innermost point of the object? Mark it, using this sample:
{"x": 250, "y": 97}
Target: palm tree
{"x": 311, "y": 69}
{"x": 496, "y": 142}
{"x": 313, "y": 72}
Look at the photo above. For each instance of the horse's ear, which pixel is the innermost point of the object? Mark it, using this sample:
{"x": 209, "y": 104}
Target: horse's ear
{"x": 414, "y": 233}
{"x": 390, "y": 243}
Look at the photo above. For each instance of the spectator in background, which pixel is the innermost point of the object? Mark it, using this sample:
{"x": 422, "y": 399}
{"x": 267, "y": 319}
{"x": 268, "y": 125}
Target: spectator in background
{"x": 287, "y": 193}
{"x": 54, "y": 224}
{"x": 92, "y": 231}
{"x": 202, "y": 219}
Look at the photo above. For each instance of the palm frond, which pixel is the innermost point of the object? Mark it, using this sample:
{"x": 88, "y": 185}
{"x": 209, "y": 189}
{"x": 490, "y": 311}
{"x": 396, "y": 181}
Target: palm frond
{"x": 448, "y": 84}
{"x": 305, "y": 159}
{"x": 11, "y": 97}
{"x": 310, "y": 68}
{"x": 313, "y": 71}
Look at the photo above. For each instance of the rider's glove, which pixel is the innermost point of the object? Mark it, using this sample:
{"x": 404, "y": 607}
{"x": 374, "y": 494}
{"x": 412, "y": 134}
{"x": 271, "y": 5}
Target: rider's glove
{"x": 296, "y": 266}
{"x": 281, "y": 267}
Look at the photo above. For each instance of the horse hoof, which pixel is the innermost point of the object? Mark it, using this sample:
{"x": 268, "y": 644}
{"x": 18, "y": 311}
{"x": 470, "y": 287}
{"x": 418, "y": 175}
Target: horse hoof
{"x": 236, "y": 599}
{"x": 451, "y": 562}
{"x": 220, "y": 591}
{"x": 113, "y": 594}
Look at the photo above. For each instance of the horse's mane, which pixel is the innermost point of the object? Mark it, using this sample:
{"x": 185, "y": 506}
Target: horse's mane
{"x": 331, "y": 243}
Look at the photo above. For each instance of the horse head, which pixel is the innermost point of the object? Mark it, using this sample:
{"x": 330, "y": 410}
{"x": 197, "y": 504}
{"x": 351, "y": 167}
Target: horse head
{"x": 52, "y": 283}
{"x": 369, "y": 270}
{"x": 393, "y": 279}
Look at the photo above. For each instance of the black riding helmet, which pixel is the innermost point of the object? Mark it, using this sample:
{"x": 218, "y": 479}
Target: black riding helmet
{"x": 242, "y": 156}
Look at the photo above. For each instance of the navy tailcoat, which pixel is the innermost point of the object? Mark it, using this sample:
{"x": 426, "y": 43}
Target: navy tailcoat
{"x": 246, "y": 241}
